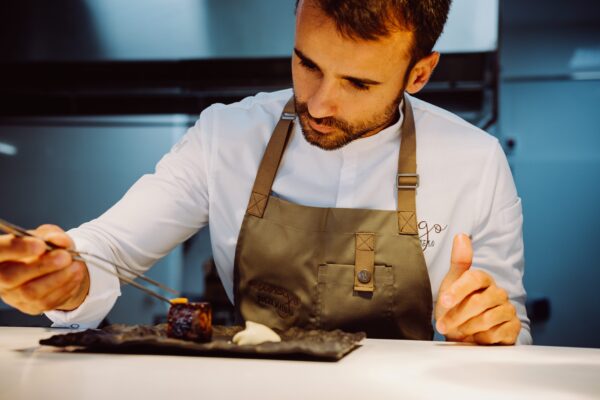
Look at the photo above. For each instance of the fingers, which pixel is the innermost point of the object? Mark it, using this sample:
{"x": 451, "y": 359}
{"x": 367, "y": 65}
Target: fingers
{"x": 20, "y": 249}
{"x": 470, "y": 282}
{"x": 449, "y": 311}
{"x": 497, "y": 324}
{"x": 33, "y": 279}
{"x": 55, "y": 235}
{"x": 488, "y": 319}
{"x": 474, "y": 306}
{"x": 14, "y": 274}
{"x": 505, "y": 333}
{"x": 47, "y": 292}
{"x": 470, "y": 307}
{"x": 28, "y": 249}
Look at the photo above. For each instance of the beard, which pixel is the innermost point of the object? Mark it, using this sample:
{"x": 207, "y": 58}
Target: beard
{"x": 344, "y": 132}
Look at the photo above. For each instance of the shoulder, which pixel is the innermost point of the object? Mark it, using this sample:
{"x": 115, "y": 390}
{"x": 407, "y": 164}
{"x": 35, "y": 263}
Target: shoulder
{"x": 233, "y": 136}
{"x": 251, "y": 115}
{"x": 440, "y": 128}
{"x": 454, "y": 155}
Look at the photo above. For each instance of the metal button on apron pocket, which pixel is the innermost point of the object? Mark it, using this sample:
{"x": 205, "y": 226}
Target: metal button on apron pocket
{"x": 364, "y": 276}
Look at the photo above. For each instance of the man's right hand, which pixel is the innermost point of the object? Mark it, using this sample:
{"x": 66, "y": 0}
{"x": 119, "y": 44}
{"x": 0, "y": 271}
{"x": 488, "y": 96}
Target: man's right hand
{"x": 34, "y": 280}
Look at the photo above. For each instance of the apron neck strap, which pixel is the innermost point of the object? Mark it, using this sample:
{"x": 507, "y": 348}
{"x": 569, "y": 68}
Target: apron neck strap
{"x": 270, "y": 161}
{"x": 407, "y": 178}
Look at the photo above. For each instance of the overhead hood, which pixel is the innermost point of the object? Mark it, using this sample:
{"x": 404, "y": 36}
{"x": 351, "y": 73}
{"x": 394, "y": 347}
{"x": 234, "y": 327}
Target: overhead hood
{"x": 134, "y": 30}
{"x": 164, "y": 56}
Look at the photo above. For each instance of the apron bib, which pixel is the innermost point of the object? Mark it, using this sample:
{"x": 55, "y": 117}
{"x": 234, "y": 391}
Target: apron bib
{"x": 333, "y": 268}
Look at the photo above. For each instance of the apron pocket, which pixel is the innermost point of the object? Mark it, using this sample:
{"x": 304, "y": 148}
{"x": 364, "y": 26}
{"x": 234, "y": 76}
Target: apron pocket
{"x": 338, "y": 306}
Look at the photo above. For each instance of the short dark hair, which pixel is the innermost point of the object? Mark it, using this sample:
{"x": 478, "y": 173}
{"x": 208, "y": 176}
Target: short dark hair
{"x": 374, "y": 19}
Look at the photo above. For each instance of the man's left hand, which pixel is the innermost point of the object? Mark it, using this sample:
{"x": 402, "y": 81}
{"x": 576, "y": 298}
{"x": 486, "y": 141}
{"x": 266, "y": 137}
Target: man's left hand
{"x": 470, "y": 307}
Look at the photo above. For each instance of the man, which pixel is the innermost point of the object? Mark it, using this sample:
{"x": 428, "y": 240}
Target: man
{"x": 326, "y": 222}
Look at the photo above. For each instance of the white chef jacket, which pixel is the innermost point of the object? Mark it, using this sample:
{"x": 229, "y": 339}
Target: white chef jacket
{"x": 465, "y": 187}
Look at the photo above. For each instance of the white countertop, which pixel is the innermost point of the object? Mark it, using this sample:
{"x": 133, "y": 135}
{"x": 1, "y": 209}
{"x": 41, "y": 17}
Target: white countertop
{"x": 379, "y": 369}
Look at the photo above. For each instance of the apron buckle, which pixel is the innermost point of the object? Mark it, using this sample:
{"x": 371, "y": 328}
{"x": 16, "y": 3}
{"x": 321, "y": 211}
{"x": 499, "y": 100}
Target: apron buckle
{"x": 408, "y": 181}
{"x": 288, "y": 116}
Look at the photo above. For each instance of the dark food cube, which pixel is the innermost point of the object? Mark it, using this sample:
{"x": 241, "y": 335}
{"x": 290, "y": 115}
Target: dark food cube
{"x": 190, "y": 321}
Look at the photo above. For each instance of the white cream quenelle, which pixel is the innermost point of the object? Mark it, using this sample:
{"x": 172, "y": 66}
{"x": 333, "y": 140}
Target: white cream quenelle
{"x": 255, "y": 334}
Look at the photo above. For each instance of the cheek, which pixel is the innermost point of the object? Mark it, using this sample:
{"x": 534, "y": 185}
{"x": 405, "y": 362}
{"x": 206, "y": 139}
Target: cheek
{"x": 364, "y": 107}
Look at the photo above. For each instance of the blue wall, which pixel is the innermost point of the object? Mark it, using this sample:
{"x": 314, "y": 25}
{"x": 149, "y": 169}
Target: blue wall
{"x": 550, "y": 108}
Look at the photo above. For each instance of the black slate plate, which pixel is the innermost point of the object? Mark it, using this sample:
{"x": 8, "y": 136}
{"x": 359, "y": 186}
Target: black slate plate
{"x": 296, "y": 343}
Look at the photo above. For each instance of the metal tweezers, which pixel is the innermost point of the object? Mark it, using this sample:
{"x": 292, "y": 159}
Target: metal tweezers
{"x": 77, "y": 256}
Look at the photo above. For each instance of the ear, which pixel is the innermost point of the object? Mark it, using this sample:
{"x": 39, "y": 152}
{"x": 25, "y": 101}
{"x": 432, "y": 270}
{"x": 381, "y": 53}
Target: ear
{"x": 421, "y": 72}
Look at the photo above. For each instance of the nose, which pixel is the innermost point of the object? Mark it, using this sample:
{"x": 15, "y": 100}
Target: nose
{"x": 322, "y": 103}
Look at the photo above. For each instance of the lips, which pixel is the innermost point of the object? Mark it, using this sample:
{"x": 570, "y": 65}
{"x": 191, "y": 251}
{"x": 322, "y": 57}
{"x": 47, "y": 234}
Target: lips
{"x": 322, "y": 129}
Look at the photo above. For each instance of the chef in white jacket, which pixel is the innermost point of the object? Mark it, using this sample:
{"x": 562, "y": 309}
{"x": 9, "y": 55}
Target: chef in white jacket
{"x": 352, "y": 81}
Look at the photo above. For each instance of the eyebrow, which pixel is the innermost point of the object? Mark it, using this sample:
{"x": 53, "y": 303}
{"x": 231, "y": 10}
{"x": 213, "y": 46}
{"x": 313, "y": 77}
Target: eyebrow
{"x": 347, "y": 77}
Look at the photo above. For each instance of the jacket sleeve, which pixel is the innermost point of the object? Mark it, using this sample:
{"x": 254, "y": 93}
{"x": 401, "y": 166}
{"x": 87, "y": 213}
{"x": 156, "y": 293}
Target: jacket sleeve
{"x": 157, "y": 213}
{"x": 498, "y": 236}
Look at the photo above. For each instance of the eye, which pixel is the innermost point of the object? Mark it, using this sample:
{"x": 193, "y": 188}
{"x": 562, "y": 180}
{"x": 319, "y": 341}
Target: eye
{"x": 358, "y": 85}
{"x": 308, "y": 65}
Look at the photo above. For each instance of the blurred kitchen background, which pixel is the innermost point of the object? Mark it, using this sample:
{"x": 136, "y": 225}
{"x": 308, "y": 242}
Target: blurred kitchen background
{"x": 93, "y": 92}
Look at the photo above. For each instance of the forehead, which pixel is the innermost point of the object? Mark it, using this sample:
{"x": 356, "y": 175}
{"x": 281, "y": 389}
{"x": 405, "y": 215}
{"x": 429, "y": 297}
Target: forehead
{"x": 319, "y": 38}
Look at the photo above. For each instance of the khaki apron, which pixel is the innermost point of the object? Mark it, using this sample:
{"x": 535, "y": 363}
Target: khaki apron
{"x": 330, "y": 268}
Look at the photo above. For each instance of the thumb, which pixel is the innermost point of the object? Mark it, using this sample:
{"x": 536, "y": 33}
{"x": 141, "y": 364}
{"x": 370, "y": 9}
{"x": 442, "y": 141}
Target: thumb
{"x": 461, "y": 259}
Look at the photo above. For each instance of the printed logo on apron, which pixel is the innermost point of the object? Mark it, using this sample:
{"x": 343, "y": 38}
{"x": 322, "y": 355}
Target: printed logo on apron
{"x": 283, "y": 301}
